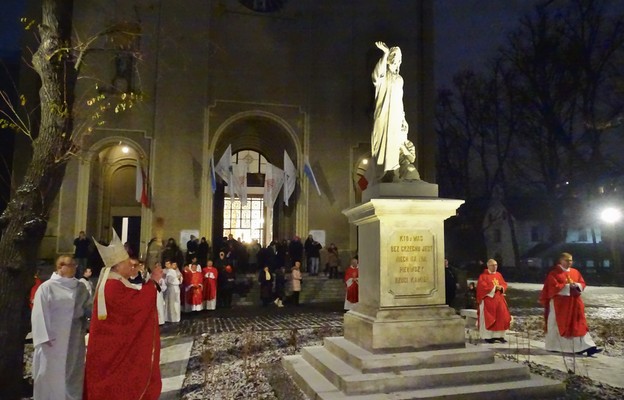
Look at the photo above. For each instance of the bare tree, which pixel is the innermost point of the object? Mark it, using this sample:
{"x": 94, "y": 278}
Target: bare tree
{"x": 543, "y": 118}
{"x": 57, "y": 62}
{"x": 564, "y": 59}
{"x": 23, "y": 222}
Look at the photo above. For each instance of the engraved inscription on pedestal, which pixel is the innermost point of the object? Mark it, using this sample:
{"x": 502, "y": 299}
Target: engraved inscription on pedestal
{"x": 410, "y": 263}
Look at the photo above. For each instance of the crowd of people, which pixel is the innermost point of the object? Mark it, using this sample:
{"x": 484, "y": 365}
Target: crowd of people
{"x": 123, "y": 311}
{"x": 193, "y": 280}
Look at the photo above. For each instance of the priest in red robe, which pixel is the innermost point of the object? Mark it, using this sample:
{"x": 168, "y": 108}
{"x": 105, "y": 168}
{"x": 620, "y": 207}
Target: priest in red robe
{"x": 493, "y": 315}
{"x": 564, "y": 311}
{"x": 210, "y": 286}
{"x": 123, "y": 354}
{"x": 351, "y": 281}
{"x": 194, "y": 286}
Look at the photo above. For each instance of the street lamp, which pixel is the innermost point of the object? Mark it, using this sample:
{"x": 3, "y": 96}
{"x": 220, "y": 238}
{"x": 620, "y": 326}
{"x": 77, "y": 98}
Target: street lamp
{"x": 612, "y": 216}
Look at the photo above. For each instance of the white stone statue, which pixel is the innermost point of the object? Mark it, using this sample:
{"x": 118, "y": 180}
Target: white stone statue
{"x": 407, "y": 157}
{"x": 390, "y": 146}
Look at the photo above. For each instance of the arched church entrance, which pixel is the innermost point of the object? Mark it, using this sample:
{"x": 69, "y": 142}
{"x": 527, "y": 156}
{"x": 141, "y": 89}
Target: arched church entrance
{"x": 108, "y": 177}
{"x": 257, "y": 141}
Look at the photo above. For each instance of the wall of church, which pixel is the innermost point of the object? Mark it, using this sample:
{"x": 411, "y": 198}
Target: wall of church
{"x": 308, "y": 66}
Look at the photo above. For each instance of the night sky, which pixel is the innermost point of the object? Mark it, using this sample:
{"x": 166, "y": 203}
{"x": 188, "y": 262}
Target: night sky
{"x": 10, "y": 26}
{"x": 468, "y": 32}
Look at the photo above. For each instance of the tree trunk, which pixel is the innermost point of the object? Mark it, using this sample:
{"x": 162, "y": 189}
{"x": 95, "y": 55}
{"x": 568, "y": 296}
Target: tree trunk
{"x": 24, "y": 221}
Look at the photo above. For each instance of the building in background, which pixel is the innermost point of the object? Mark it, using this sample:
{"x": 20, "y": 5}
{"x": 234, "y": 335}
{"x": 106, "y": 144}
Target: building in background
{"x": 265, "y": 77}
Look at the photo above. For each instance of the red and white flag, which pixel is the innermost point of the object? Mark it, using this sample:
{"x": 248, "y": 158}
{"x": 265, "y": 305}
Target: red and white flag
{"x": 142, "y": 186}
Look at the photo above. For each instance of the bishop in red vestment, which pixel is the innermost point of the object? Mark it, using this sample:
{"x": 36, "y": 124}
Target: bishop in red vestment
{"x": 123, "y": 354}
{"x": 564, "y": 311}
{"x": 493, "y": 315}
{"x": 351, "y": 281}
{"x": 210, "y": 286}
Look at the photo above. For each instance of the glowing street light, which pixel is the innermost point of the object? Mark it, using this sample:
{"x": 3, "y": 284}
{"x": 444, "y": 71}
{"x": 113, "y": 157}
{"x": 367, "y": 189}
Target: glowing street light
{"x": 611, "y": 215}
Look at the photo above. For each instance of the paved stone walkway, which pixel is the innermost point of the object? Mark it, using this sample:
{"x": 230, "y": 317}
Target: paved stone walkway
{"x": 259, "y": 323}
{"x": 177, "y": 339}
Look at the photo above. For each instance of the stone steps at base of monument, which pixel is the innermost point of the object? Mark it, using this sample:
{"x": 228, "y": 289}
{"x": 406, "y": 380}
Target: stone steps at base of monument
{"x": 320, "y": 290}
{"x": 316, "y": 386}
{"x": 368, "y": 362}
{"x": 313, "y": 290}
{"x": 352, "y": 381}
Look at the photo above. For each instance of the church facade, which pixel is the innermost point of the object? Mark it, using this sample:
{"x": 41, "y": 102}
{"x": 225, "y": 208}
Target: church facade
{"x": 264, "y": 77}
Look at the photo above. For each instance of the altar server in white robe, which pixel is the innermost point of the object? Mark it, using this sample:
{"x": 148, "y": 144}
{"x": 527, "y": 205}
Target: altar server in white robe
{"x": 173, "y": 280}
{"x": 160, "y": 295}
{"x": 59, "y": 319}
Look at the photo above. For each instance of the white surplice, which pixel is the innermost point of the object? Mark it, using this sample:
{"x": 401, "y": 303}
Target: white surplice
{"x": 173, "y": 280}
{"x": 59, "y": 317}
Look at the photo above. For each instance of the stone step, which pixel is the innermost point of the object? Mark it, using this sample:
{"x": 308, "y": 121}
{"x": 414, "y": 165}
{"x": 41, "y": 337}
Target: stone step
{"x": 317, "y": 386}
{"x": 350, "y": 380}
{"x": 535, "y": 387}
{"x": 315, "y": 289}
{"x": 368, "y": 362}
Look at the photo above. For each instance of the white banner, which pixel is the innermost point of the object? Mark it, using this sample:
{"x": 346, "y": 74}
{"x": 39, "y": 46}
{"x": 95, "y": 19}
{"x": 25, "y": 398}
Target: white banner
{"x": 273, "y": 181}
{"x": 290, "y": 177}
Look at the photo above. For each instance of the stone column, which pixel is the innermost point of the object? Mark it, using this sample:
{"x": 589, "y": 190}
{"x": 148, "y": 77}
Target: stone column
{"x": 401, "y": 279}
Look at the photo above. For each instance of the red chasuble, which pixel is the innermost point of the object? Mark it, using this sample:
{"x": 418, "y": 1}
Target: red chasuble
{"x": 496, "y": 314}
{"x": 352, "y": 291}
{"x": 569, "y": 310}
{"x": 194, "y": 294}
{"x": 210, "y": 283}
{"x": 123, "y": 354}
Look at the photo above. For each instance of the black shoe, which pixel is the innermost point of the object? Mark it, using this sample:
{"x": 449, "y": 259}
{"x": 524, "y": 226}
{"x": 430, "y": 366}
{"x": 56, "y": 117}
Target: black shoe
{"x": 489, "y": 340}
{"x": 593, "y": 350}
{"x": 502, "y": 340}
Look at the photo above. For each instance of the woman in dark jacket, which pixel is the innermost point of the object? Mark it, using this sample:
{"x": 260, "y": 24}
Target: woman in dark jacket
{"x": 266, "y": 286}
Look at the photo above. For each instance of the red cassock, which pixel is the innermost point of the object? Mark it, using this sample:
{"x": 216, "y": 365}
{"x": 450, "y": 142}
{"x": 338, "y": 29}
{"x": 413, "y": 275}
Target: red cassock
{"x": 123, "y": 354}
{"x": 496, "y": 315}
{"x": 352, "y": 291}
{"x": 33, "y": 290}
{"x": 210, "y": 283}
{"x": 569, "y": 310}
{"x": 194, "y": 292}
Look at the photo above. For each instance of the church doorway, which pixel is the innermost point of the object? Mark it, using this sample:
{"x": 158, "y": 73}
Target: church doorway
{"x": 258, "y": 140}
{"x": 108, "y": 182}
{"x": 129, "y": 230}
{"x": 247, "y": 222}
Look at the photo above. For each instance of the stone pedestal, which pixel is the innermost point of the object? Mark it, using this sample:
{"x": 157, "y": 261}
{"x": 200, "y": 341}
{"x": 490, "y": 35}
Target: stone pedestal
{"x": 401, "y": 253}
{"x": 401, "y": 341}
